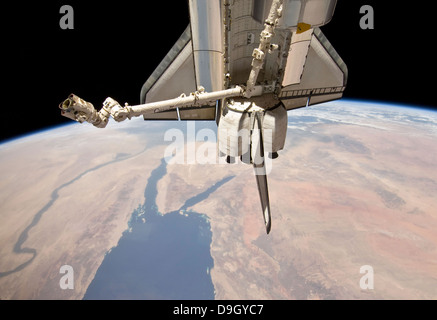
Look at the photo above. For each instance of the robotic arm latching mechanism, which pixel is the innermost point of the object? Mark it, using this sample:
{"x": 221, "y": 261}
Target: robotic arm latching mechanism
{"x": 80, "y": 110}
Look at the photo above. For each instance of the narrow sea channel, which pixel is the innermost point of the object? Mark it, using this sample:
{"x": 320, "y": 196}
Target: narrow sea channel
{"x": 159, "y": 256}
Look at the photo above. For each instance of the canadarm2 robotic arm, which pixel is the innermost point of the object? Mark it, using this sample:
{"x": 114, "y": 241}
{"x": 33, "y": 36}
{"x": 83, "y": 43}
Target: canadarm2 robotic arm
{"x": 80, "y": 110}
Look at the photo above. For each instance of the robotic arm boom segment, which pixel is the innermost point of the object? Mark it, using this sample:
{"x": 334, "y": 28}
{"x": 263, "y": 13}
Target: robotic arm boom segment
{"x": 80, "y": 110}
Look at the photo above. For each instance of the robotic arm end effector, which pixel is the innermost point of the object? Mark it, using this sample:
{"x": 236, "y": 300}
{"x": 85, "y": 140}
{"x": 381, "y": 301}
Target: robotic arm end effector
{"x": 80, "y": 110}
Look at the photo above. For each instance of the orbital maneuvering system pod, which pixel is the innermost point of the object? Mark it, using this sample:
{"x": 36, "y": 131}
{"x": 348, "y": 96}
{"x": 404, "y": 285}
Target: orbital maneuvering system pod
{"x": 244, "y": 64}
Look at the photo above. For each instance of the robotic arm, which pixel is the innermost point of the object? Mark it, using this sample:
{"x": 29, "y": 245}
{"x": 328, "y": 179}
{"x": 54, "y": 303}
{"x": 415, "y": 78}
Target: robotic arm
{"x": 80, "y": 110}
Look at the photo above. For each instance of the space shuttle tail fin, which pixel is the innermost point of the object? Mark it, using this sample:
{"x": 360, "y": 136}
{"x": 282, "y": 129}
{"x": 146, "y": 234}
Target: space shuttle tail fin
{"x": 259, "y": 166}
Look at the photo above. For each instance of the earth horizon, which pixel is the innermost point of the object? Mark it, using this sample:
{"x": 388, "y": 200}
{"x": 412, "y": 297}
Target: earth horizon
{"x": 354, "y": 189}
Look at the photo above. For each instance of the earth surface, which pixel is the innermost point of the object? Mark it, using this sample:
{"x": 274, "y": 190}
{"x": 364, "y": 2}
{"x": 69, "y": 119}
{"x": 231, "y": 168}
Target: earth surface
{"x": 354, "y": 188}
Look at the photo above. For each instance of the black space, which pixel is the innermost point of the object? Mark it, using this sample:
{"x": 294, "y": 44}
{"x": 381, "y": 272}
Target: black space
{"x": 116, "y": 45}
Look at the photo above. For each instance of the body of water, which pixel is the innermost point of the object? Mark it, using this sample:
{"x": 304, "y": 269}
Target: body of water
{"x": 159, "y": 256}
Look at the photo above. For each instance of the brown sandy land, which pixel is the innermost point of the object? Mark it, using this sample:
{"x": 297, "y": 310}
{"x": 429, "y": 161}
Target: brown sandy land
{"x": 390, "y": 198}
{"x": 85, "y": 221}
{"x": 184, "y": 181}
{"x": 362, "y": 198}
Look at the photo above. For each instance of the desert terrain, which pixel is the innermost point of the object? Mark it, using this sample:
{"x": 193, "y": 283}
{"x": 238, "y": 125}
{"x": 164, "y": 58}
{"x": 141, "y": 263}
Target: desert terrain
{"x": 342, "y": 197}
{"x": 68, "y": 196}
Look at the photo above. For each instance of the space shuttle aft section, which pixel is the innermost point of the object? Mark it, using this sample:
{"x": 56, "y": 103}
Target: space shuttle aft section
{"x": 243, "y": 64}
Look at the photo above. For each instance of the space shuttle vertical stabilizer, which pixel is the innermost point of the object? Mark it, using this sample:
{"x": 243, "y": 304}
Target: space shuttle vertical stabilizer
{"x": 207, "y": 41}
